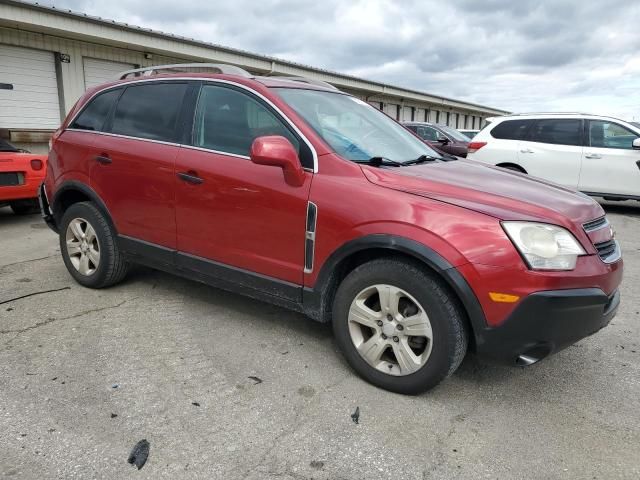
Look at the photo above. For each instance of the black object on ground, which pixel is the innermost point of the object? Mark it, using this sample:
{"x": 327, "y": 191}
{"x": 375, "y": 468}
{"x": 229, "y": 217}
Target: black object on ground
{"x": 139, "y": 454}
{"x": 355, "y": 416}
{"x": 34, "y": 293}
{"x": 257, "y": 380}
{"x": 195, "y": 404}
{"x": 114, "y": 415}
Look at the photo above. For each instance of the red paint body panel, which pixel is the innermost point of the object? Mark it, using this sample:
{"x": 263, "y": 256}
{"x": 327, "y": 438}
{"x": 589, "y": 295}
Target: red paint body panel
{"x": 138, "y": 187}
{"x": 243, "y": 214}
{"x": 21, "y": 163}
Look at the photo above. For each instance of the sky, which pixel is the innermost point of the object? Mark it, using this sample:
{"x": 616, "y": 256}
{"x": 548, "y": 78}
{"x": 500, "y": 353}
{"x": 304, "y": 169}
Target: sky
{"x": 517, "y": 55}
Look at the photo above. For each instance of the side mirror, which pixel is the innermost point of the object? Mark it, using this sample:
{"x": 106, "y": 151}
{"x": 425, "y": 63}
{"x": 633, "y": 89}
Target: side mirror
{"x": 636, "y": 144}
{"x": 277, "y": 151}
{"x": 442, "y": 139}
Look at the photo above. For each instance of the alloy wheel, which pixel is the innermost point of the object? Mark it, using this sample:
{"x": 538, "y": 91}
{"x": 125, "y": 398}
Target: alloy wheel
{"x": 83, "y": 246}
{"x": 390, "y": 330}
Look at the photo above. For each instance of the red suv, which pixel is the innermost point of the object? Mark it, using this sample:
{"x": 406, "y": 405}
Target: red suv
{"x": 292, "y": 192}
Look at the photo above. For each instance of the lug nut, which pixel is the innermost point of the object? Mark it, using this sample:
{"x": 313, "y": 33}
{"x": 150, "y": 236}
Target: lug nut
{"x": 389, "y": 317}
{"x": 384, "y": 337}
{"x": 396, "y": 339}
{"x": 379, "y": 322}
{"x": 400, "y": 327}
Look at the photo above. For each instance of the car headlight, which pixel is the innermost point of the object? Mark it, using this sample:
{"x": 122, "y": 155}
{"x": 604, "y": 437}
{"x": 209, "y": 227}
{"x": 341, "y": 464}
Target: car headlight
{"x": 545, "y": 247}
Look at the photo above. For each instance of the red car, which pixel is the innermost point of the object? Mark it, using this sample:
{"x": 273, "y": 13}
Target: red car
{"x": 21, "y": 173}
{"x": 292, "y": 192}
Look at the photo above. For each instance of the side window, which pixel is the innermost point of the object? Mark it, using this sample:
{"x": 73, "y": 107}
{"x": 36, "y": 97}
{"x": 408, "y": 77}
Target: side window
{"x": 557, "y": 131}
{"x": 511, "y": 129}
{"x": 94, "y": 115}
{"x": 229, "y": 121}
{"x": 610, "y": 135}
{"x": 149, "y": 111}
{"x": 427, "y": 133}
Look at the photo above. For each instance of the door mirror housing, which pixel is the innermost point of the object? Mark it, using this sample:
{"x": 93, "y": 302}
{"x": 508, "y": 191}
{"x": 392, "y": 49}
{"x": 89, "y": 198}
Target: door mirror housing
{"x": 636, "y": 144}
{"x": 442, "y": 139}
{"x": 277, "y": 151}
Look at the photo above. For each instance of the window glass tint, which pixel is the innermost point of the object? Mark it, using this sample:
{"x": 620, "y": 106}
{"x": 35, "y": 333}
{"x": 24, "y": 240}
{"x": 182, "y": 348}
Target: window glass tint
{"x": 428, "y": 133}
{"x": 149, "y": 111}
{"x": 610, "y": 135}
{"x": 557, "y": 132}
{"x": 511, "y": 129}
{"x": 93, "y": 117}
{"x": 229, "y": 121}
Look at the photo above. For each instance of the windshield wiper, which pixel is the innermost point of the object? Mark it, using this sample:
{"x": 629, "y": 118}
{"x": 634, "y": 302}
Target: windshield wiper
{"x": 421, "y": 159}
{"x": 378, "y": 161}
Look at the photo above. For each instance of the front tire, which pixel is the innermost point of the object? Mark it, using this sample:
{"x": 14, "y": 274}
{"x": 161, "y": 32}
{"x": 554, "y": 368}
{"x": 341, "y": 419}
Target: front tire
{"x": 89, "y": 248}
{"x": 399, "y": 326}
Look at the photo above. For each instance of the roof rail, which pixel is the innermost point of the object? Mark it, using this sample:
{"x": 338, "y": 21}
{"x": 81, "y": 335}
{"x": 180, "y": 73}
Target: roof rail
{"x": 186, "y": 67}
{"x": 545, "y": 113}
{"x": 310, "y": 81}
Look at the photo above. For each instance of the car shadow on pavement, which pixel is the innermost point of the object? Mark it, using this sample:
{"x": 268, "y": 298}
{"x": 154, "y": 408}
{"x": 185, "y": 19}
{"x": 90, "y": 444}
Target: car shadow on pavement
{"x": 7, "y": 217}
{"x": 232, "y": 303}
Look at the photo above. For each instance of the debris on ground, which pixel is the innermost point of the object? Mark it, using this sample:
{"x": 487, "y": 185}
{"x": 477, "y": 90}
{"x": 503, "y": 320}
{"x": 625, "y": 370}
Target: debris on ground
{"x": 115, "y": 385}
{"x": 114, "y": 415}
{"x": 316, "y": 464}
{"x": 355, "y": 416}
{"x": 195, "y": 404}
{"x": 257, "y": 380}
{"x": 139, "y": 454}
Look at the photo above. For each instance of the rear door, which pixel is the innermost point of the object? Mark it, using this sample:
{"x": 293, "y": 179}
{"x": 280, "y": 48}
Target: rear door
{"x": 610, "y": 163}
{"x": 552, "y": 150}
{"x": 133, "y": 167}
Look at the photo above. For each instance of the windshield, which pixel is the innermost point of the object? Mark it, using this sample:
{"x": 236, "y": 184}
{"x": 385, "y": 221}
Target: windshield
{"x": 7, "y": 147}
{"x": 453, "y": 133}
{"x": 353, "y": 128}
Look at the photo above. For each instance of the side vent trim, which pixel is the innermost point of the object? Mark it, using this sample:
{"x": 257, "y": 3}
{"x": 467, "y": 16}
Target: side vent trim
{"x": 310, "y": 237}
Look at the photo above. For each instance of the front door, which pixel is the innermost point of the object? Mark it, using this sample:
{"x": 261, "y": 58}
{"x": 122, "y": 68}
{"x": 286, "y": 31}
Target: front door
{"x": 234, "y": 217}
{"x": 610, "y": 163}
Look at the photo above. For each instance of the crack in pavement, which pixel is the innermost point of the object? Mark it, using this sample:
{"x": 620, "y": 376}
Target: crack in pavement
{"x": 2, "y": 267}
{"x": 34, "y": 293}
{"x": 51, "y": 320}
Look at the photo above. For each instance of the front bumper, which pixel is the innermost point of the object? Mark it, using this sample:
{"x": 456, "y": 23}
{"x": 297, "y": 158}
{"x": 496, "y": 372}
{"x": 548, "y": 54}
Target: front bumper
{"x": 45, "y": 209}
{"x": 546, "y": 322}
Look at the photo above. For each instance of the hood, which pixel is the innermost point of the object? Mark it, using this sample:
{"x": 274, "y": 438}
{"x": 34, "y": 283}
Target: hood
{"x": 494, "y": 191}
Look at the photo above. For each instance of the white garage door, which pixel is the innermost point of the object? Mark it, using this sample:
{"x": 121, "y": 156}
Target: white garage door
{"x": 102, "y": 71}
{"x": 33, "y": 102}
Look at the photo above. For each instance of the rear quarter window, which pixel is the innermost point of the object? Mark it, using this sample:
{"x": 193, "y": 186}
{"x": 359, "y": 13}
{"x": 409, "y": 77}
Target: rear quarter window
{"x": 557, "y": 131}
{"x": 511, "y": 129}
{"x": 94, "y": 116}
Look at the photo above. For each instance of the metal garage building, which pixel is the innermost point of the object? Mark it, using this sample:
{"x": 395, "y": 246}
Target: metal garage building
{"x": 51, "y": 56}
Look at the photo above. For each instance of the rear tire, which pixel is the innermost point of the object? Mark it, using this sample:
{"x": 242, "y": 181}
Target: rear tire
{"x": 89, "y": 248}
{"x": 24, "y": 207}
{"x": 374, "y": 335}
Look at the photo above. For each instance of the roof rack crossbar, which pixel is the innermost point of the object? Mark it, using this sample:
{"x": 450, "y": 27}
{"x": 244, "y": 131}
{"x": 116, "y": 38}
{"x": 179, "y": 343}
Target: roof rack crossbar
{"x": 186, "y": 67}
{"x": 310, "y": 81}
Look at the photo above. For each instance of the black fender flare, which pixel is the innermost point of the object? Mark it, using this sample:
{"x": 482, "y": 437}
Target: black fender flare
{"x": 85, "y": 190}
{"x": 314, "y": 298}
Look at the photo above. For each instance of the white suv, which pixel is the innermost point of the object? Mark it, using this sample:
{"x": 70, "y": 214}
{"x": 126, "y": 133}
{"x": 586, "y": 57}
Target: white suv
{"x": 597, "y": 155}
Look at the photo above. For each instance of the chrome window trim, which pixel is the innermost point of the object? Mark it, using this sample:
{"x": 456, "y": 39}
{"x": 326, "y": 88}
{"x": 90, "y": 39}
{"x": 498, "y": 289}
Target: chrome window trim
{"x": 206, "y": 80}
{"x": 128, "y": 137}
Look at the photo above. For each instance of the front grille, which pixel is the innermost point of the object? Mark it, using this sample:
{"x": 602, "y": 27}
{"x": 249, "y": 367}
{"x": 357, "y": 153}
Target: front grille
{"x": 595, "y": 224}
{"x": 608, "y": 251}
{"x": 11, "y": 179}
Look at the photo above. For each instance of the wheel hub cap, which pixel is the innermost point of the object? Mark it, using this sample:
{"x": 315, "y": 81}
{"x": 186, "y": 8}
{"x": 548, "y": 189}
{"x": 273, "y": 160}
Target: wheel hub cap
{"x": 83, "y": 247}
{"x": 390, "y": 330}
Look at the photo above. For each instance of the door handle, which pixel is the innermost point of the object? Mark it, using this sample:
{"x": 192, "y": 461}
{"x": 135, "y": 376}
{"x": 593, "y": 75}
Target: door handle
{"x": 592, "y": 155}
{"x": 103, "y": 159}
{"x": 190, "y": 177}
{"x": 526, "y": 150}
